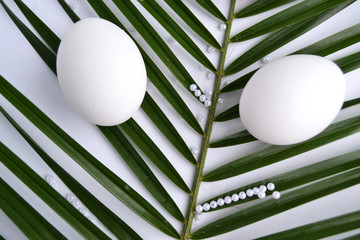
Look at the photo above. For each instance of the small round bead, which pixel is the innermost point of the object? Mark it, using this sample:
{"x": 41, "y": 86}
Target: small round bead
{"x": 75, "y": 202}
{"x": 70, "y": 197}
{"x": 242, "y": 195}
{"x": 193, "y": 87}
{"x": 209, "y": 92}
{"x": 261, "y": 195}
{"x": 271, "y": 186}
{"x": 207, "y": 103}
{"x": 213, "y": 204}
{"x": 220, "y": 202}
{"x": 210, "y": 75}
{"x": 73, "y": 6}
{"x": 235, "y": 197}
{"x": 49, "y": 178}
{"x": 255, "y": 190}
{"x": 227, "y": 200}
{"x": 222, "y": 26}
{"x": 206, "y": 207}
{"x": 199, "y": 209}
{"x": 91, "y": 219}
{"x": 197, "y": 93}
{"x": 249, "y": 192}
{"x": 265, "y": 60}
{"x": 211, "y": 49}
{"x": 202, "y": 68}
{"x": 195, "y": 150}
{"x": 200, "y": 118}
{"x": 82, "y": 211}
{"x": 199, "y": 217}
{"x": 202, "y": 98}
{"x": 262, "y": 188}
{"x": 220, "y": 100}
{"x": 276, "y": 194}
{"x": 53, "y": 185}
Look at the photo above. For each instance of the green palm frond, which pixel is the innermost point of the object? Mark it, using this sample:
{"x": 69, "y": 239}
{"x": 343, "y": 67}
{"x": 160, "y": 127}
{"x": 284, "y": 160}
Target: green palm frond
{"x": 175, "y": 153}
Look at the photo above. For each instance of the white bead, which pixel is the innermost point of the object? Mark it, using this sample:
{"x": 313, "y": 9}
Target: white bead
{"x": 70, "y": 197}
{"x": 200, "y": 118}
{"x": 193, "y": 87}
{"x": 197, "y": 93}
{"x": 91, "y": 219}
{"x": 76, "y": 203}
{"x": 227, "y": 82}
{"x": 206, "y": 207}
{"x": 49, "y": 178}
{"x": 235, "y": 197}
{"x": 194, "y": 151}
{"x": 255, "y": 190}
{"x": 271, "y": 186}
{"x": 207, "y": 103}
{"x": 242, "y": 195}
{"x": 227, "y": 200}
{"x": 73, "y": 6}
{"x": 199, "y": 209}
{"x": 209, "y": 92}
{"x": 220, "y": 202}
{"x": 53, "y": 185}
{"x": 202, "y": 98}
{"x": 262, "y": 188}
{"x": 199, "y": 217}
{"x": 276, "y": 194}
{"x": 265, "y": 60}
{"x": 202, "y": 68}
{"x": 261, "y": 195}
{"x": 213, "y": 204}
{"x": 210, "y": 75}
{"x": 222, "y": 26}
{"x": 82, "y": 211}
{"x": 220, "y": 100}
{"x": 211, "y": 49}
{"x": 249, "y": 192}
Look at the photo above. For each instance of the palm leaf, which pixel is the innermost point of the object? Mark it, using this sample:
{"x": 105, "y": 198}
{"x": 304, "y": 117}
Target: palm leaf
{"x": 31, "y": 223}
{"x": 119, "y": 228}
{"x": 96, "y": 169}
{"x": 132, "y": 141}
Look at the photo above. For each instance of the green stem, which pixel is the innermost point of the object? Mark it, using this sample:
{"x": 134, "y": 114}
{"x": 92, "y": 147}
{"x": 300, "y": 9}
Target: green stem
{"x": 208, "y": 129}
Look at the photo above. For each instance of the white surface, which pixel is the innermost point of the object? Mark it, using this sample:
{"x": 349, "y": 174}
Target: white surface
{"x": 292, "y": 99}
{"x": 101, "y": 72}
{"x": 21, "y": 65}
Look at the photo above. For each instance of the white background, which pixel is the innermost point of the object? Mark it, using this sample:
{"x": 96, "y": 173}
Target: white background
{"x": 21, "y": 65}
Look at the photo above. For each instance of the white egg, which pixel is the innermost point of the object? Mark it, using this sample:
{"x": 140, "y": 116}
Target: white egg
{"x": 292, "y": 99}
{"x": 101, "y": 72}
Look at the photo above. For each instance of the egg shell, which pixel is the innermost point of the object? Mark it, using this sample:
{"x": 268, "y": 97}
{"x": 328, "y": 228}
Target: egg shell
{"x": 292, "y": 99}
{"x": 101, "y": 72}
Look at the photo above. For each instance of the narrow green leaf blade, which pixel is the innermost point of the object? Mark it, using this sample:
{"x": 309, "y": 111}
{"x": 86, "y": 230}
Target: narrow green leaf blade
{"x": 153, "y": 72}
{"x": 333, "y": 43}
{"x": 234, "y": 139}
{"x": 193, "y": 22}
{"x": 291, "y": 15}
{"x": 155, "y": 42}
{"x": 349, "y": 63}
{"x": 161, "y": 121}
{"x": 176, "y": 32}
{"x": 351, "y": 103}
{"x": 119, "y": 228}
{"x": 212, "y": 9}
{"x": 96, "y": 169}
{"x": 47, "y": 55}
{"x": 147, "y": 146}
{"x": 279, "y": 39}
{"x": 141, "y": 170}
{"x": 49, "y": 36}
{"x": 260, "y": 6}
{"x": 321, "y": 229}
{"x": 73, "y": 16}
{"x": 300, "y": 176}
{"x": 51, "y": 197}
{"x": 270, "y": 206}
{"x": 228, "y": 114}
{"x": 275, "y": 153}
{"x": 28, "y": 220}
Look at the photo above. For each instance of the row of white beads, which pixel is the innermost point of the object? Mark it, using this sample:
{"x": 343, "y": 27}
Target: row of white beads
{"x": 202, "y": 97}
{"x": 259, "y": 191}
